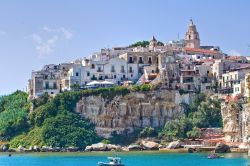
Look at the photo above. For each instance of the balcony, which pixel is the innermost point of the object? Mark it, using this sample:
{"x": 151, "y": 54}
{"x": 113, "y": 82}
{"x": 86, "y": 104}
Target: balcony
{"x": 131, "y": 71}
{"x": 122, "y": 71}
{"x": 112, "y": 70}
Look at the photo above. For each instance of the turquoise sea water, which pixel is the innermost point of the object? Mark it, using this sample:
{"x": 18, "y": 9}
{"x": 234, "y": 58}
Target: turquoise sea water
{"x": 129, "y": 159}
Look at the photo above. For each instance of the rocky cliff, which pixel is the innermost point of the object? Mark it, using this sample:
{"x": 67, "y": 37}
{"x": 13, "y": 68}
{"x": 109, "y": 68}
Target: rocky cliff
{"x": 231, "y": 122}
{"x": 134, "y": 110}
{"x": 246, "y": 123}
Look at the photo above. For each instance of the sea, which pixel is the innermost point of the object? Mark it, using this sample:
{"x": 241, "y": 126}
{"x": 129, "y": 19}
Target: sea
{"x": 128, "y": 159}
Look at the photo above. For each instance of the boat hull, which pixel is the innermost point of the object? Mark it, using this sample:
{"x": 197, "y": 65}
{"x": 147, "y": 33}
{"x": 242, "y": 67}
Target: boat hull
{"x": 107, "y": 164}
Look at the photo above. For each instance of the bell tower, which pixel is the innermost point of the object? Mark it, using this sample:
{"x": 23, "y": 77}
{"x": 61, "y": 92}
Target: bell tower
{"x": 192, "y": 39}
{"x": 152, "y": 43}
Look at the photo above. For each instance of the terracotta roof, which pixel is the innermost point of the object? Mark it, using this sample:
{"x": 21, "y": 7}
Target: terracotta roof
{"x": 234, "y": 57}
{"x": 202, "y": 51}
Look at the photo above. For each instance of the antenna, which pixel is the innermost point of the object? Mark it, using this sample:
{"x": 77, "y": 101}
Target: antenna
{"x": 178, "y": 36}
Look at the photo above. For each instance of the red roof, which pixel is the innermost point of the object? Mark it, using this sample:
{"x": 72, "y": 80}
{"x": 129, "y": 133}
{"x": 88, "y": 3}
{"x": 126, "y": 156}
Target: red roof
{"x": 202, "y": 51}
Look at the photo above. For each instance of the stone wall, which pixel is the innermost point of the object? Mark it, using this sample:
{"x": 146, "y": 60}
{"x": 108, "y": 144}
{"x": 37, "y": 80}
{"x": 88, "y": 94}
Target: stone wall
{"x": 134, "y": 110}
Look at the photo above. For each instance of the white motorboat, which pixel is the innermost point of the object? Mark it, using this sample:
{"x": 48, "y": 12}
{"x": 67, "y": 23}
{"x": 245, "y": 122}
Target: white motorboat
{"x": 113, "y": 161}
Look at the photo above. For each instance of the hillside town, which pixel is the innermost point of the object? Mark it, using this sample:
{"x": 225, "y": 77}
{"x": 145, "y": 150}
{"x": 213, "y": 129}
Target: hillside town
{"x": 183, "y": 65}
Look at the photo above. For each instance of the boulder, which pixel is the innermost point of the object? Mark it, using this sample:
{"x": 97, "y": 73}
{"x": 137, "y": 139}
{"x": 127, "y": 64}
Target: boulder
{"x": 11, "y": 150}
{"x": 21, "y": 148}
{"x": 46, "y": 149}
{"x": 4, "y": 148}
{"x": 72, "y": 149}
{"x": 37, "y": 149}
{"x": 134, "y": 147}
{"x": 221, "y": 148}
{"x": 191, "y": 150}
{"x": 102, "y": 147}
{"x": 175, "y": 145}
{"x": 150, "y": 145}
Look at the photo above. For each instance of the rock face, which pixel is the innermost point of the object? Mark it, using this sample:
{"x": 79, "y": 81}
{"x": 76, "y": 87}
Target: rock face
{"x": 246, "y": 123}
{"x": 135, "y": 110}
{"x": 231, "y": 116}
{"x": 222, "y": 148}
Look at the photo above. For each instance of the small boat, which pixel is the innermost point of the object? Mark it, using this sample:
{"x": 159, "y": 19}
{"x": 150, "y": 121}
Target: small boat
{"x": 214, "y": 156}
{"x": 113, "y": 161}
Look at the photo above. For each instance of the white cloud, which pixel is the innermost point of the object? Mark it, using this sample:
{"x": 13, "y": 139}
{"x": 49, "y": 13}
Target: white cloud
{"x": 46, "y": 41}
{"x": 67, "y": 34}
{"x": 234, "y": 53}
{"x": 44, "y": 47}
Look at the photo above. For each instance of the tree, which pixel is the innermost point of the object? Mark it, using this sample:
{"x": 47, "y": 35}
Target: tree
{"x": 147, "y": 132}
{"x": 194, "y": 133}
{"x": 68, "y": 129}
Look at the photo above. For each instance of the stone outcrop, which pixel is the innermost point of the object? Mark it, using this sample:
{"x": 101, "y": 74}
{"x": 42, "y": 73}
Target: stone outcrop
{"x": 246, "y": 123}
{"x": 175, "y": 145}
{"x": 135, "y": 110}
{"x": 231, "y": 122}
{"x": 222, "y": 148}
{"x": 149, "y": 145}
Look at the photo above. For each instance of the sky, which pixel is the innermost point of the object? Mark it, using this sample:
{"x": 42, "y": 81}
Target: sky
{"x": 35, "y": 33}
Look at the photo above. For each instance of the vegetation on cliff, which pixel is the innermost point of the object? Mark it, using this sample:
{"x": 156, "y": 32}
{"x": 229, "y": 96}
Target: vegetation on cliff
{"x": 14, "y": 109}
{"x": 53, "y": 121}
{"x": 203, "y": 112}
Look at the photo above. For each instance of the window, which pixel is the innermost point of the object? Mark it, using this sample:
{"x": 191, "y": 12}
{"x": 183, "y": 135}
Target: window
{"x": 114, "y": 76}
{"x": 130, "y": 59}
{"x": 123, "y": 76}
{"x": 88, "y": 74}
{"x": 189, "y": 87}
{"x": 122, "y": 69}
{"x": 150, "y": 60}
{"x": 54, "y": 85}
{"x": 93, "y": 66}
{"x": 52, "y": 93}
{"x": 153, "y": 71}
{"x": 46, "y": 85}
{"x": 130, "y": 69}
{"x": 140, "y": 60}
{"x": 112, "y": 68}
{"x": 99, "y": 69}
{"x": 77, "y": 74}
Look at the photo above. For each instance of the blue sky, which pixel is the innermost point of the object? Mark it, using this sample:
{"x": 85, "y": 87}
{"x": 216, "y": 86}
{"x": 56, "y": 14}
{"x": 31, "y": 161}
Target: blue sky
{"x": 35, "y": 33}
